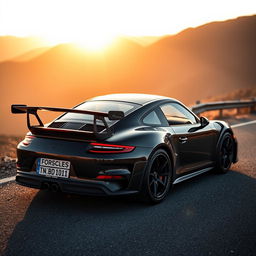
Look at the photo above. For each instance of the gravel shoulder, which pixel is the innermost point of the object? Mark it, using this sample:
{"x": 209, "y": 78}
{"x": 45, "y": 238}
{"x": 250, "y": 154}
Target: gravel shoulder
{"x": 14, "y": 201}
{"x": 8, "y": 146}
{"x": 7, "y": 167}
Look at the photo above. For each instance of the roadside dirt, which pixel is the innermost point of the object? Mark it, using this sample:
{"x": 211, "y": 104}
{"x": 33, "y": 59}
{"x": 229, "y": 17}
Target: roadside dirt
{"x": 14, "y": 201}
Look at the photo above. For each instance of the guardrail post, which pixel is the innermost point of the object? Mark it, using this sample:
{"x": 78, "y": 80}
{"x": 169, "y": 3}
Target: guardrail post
{"x": 238, "y": 111}
{"x": 221, "y": 113}
{"x": 253, "y": 107}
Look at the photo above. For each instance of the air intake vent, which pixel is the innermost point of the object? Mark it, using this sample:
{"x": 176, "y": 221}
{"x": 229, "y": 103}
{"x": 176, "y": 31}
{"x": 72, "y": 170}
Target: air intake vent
{"x": 57, "y": 124}
{"x": 72, "y": 126}
{"x": 89, "y": 128}
{"x": 76, "y": 126}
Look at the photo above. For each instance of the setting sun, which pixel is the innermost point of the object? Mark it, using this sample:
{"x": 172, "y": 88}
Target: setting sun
{"x": 94, "y": 42}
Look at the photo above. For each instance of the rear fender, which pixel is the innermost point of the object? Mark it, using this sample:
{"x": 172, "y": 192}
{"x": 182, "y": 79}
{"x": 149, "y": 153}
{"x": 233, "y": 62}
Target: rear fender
{"x": 225, "y": 128}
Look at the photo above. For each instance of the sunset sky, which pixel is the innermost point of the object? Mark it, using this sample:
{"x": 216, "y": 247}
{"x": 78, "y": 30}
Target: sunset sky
{"x": 96, "y": 23}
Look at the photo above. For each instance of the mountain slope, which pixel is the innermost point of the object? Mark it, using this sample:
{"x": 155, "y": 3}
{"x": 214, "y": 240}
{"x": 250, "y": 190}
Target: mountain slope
{"x": 219, "y": 56}
{"x": 11, "y": 47}
{"x": 30, "y": 54}
{"x": 195, "y": 64}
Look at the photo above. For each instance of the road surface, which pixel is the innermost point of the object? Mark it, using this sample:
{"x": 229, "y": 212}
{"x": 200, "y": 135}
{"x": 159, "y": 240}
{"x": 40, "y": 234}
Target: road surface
{"x": 208, "y": 215}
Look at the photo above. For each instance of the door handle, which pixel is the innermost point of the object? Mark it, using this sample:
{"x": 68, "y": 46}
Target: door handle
{"x": 183, "y": 139}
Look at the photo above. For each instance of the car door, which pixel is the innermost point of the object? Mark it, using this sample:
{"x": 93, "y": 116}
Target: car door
{"x": 194, "y": 148}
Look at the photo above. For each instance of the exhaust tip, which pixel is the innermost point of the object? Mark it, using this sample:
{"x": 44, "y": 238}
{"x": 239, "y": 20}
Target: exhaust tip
{"x": 46, "y": 185}
{"x": 54, "y": 187}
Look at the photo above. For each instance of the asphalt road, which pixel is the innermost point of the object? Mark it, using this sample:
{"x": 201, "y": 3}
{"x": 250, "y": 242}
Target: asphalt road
{"x": 208, "y": 215}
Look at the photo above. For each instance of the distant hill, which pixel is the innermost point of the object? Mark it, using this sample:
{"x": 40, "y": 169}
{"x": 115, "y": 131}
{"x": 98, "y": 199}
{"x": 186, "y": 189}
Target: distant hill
{"x": 30, "y": 54}
{"x": 211, "y": 59}
{"x": 11, "y": 47}
{"x": 197, "y": 63}
{"x": 145, "y": 40}
{"x": 238, "y": 94}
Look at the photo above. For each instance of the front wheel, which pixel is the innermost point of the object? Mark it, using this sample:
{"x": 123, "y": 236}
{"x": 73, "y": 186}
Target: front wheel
{"x": 157, "y": 178}
{"x": 225, "y": 154}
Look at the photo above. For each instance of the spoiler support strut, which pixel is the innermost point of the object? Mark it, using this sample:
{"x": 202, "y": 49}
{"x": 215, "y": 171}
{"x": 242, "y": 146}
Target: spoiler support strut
{"x": 33, "y": 112}
{"x": 22, "y": 109}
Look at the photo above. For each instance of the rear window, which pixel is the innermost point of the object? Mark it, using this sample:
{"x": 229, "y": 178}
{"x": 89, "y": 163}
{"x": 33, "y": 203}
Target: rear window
{"x": 76, "y": 121}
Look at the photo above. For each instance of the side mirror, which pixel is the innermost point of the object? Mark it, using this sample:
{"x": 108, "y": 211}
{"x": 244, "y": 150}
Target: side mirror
{"x": 204, "y": 121}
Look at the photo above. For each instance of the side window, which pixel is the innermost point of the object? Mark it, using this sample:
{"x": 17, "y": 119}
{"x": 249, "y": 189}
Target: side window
{"x": 177, "y": 114}
{"x": 151, "y": 119}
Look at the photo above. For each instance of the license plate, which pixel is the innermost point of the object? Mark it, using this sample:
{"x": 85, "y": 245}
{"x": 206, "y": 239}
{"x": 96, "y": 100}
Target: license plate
{"x": 53, "y": 168}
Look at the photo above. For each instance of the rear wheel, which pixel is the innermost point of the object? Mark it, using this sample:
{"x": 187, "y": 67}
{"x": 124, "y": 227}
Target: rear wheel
{"x": 225, "y": 154}
{"x": 157, "y": 178}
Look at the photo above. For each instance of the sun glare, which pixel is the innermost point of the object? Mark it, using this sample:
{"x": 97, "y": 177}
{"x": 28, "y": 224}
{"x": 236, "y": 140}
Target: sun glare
{"x": 94, "y": 43}
{"x": 93, "y": 25}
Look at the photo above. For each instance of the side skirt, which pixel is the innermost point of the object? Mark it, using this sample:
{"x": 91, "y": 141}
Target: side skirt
{"x": 191, "y": 175}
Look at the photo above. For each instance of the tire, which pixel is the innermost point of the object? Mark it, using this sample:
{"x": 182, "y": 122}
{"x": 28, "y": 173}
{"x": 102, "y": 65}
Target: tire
{"x": 225, "y": 154}
{"x": 157, "y": 178}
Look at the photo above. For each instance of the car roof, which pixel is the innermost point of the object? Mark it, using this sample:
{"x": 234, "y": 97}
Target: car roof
{"x": 137, "y": 98}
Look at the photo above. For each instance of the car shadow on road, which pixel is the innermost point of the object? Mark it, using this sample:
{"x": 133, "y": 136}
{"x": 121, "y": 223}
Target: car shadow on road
{"x": 200, "y": 216}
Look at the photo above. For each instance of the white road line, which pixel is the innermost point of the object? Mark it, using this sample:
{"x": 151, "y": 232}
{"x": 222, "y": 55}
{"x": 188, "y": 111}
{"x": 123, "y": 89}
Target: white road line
{"x": 242, "y": 124}
{"x": 6, "y": 180}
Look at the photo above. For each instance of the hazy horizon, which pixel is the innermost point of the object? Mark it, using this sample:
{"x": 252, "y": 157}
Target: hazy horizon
{"x": 144, "y": 40}
{"x": 95, "y": 24}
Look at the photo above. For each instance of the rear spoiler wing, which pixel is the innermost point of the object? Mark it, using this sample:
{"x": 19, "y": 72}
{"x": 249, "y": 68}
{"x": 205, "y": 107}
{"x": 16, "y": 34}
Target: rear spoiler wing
{"x": 31, "y": 110}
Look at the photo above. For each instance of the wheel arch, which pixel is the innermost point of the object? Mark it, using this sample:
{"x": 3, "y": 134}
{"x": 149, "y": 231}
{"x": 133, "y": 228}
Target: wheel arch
{"x": 224, "y": 128}
{"x": 170, "y": 153}
{"x": 223, "y": 131}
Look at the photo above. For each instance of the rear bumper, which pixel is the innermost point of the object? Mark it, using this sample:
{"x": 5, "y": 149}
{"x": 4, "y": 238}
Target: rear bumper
{"x": 70, "y": 185}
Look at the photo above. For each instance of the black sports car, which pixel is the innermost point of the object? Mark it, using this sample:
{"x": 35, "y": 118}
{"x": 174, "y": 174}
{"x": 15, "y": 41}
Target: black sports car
{"x": 122, "y": 144}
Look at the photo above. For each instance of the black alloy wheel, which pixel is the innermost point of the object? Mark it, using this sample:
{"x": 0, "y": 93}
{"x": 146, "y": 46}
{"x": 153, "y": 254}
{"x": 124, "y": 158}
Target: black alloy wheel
{"x": 226, "y": 154}
{"x": 157, "y": 178}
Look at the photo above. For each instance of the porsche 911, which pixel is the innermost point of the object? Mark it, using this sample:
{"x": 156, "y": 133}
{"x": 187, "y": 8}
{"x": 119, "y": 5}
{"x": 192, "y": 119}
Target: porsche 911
{"x": 121, "y": 144}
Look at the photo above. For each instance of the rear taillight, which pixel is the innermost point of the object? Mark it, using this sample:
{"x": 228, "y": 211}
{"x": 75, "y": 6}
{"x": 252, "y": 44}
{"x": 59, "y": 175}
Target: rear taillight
{"x": 109, "y": 177}
{"x": 28, "y": 139}
{"x": 108, "y": 148}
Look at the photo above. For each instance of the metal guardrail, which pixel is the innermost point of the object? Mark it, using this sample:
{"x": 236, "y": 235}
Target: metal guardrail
{"x": 221, "y": 105}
